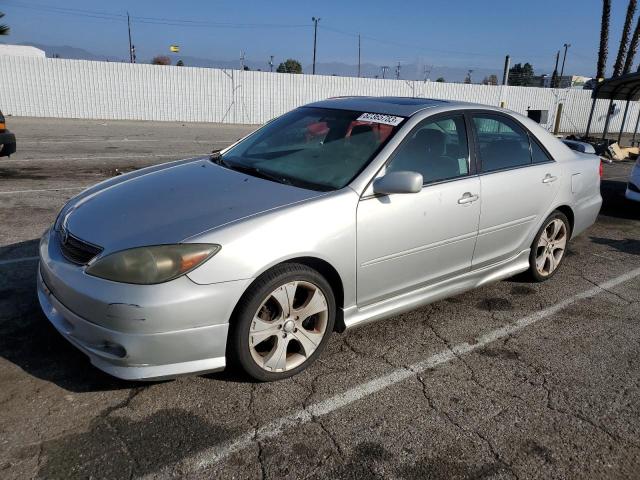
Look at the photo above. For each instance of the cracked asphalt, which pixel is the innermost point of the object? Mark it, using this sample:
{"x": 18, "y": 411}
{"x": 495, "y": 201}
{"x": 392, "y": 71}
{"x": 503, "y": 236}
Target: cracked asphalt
{"x": 559, "y": 398}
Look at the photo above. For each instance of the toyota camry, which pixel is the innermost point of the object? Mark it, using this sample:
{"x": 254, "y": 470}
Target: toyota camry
{"x": 336, "y": 214}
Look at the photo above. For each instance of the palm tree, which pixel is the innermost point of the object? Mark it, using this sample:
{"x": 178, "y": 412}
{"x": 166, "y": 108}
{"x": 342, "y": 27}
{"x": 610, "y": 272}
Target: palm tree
{"x": 624, "y": 41}
{"x": 4, "y": 29}
{"x": 604, "y": 38}
{"x": 633, "y": 48}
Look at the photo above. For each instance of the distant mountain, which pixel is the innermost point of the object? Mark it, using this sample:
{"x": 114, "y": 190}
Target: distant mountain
{"x": 65, "y": 51}
{"x": 407, "y": 72}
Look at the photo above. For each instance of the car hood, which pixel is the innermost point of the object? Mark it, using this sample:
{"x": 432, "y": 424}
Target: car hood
{"x": 169, "y": 204}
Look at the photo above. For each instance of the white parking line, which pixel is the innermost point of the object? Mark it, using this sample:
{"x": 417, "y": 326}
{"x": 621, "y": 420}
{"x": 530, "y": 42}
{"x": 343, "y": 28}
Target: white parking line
{"x": 44, "y": 190}
{"x": 17, "y": 260}
{"x": 306, "y": 415}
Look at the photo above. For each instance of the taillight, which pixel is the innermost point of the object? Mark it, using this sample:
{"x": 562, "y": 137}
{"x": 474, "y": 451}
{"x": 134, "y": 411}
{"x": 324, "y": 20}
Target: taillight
{"x": 2, "y": 124}
{"x": 601, "y": 169}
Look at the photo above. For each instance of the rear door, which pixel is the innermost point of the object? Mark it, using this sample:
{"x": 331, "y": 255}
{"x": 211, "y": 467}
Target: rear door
{"x": 518, "y": 182}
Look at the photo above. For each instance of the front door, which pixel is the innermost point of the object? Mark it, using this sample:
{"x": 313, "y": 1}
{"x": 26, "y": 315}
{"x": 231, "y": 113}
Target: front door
{"x": 405, "y": 241}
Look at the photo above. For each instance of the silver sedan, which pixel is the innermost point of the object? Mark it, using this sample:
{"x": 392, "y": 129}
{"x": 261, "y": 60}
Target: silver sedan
{"x": 336, "y": 214}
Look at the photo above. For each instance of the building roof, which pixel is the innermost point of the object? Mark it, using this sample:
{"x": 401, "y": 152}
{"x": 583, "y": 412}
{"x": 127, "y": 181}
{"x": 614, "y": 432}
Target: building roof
{"x": 21, "y": 51}
{"x": 401, "y": 106}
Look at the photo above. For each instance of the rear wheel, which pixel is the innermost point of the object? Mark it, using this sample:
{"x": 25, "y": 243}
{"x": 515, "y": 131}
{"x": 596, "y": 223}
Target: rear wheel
{"x": 549, "y": 247}
{"x": 282, "y": 322}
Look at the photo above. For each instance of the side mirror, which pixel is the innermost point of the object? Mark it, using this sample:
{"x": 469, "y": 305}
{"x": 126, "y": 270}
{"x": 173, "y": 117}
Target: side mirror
{"x": 398, "y": 182}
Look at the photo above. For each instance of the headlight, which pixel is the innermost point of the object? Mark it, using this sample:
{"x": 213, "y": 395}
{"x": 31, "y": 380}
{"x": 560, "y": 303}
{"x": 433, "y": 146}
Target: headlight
{"x": 149, "y": 265}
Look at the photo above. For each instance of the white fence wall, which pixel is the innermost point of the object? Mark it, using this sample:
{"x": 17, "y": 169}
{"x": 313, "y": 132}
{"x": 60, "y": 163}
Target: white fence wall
{"x": 102, "y": 90}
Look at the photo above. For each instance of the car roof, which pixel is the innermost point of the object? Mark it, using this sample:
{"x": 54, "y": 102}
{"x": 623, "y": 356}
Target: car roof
{"x": 401, "y": 106}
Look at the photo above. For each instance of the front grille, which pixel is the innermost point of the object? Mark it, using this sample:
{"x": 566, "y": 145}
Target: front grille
{"x": 76, "y": 250}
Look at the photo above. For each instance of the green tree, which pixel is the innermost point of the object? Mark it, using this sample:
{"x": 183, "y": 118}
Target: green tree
{"x": 624, "y": 40}
{"x": 179, "y": 63}
{"x": 290, "y": 66}
{"x": 161, "y": 60}
{"x": 521, "y": 75}
{"x": 604, "y": 39}
{"x": 440, "y": 80}
{"x": 4, "y": 29}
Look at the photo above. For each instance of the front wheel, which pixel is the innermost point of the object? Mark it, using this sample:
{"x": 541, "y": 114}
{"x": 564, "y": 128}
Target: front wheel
{"x": 549, "y": 247}
{"x": 282, "y": 322}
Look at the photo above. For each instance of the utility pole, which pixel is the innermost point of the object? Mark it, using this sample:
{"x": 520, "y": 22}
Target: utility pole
{"x": 398, "y": 71}
{"x": 554, "y": 75}
{"x": 359, "y": 51}
{"x": 241, "y": 59}
{"x": 564, "y": 59}
{"x": 384, "y": 69}
{"x": 315, "y": 41}
{"x": 271, "y": 63}
{"x": 131, "y": 54}
{"x": 505, "y": 74}
{"x": 427, "y": 71}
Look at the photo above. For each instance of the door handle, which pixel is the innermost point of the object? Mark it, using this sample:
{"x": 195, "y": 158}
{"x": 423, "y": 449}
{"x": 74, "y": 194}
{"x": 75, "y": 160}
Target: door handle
{"x": 467, "y": 197}
{"x": 548, "y": 178}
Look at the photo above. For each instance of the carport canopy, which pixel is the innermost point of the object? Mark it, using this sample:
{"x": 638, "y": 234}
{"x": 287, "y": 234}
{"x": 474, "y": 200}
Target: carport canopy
{"x": 626, "y": 88}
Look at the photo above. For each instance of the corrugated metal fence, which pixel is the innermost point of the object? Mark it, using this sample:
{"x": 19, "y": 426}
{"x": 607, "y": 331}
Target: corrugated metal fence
{"x": 102, "y": 90}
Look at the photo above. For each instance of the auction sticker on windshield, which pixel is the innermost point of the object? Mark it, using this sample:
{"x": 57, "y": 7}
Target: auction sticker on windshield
{"x": 380, "y": 118}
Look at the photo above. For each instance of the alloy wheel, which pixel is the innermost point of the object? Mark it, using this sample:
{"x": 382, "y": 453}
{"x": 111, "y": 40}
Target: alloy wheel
{"x": 288, "y": 326}
{"x": 551, "y": 247}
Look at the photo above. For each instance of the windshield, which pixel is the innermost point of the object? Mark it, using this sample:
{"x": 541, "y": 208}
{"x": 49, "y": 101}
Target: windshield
{"x": 316, "y": 148}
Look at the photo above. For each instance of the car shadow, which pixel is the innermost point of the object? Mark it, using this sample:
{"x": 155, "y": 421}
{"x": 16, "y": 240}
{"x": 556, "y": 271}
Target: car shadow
{"x": 29, "y": 341}
{"x": 628, "y": 245}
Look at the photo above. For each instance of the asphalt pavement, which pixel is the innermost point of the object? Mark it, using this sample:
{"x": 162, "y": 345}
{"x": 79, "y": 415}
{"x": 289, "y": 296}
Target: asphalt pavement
{"x": 512, "y": 380}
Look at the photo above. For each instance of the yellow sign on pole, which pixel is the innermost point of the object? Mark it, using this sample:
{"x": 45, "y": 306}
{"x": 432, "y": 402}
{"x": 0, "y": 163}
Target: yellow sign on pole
{"x": 174, "y": 48}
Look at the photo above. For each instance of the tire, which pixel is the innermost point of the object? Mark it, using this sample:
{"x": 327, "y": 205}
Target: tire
{"x": 547, "y": 256}
{"x": 272, "y": 338}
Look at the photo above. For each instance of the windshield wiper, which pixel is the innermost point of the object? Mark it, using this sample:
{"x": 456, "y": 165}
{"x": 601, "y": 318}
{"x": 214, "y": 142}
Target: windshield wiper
{"x": 216, "y": 157}
{"x": 257, "y": 172}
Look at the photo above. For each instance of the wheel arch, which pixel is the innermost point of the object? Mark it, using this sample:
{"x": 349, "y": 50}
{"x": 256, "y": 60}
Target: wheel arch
{"x": 325, "y": 269}
{"x": 568, "y": 212}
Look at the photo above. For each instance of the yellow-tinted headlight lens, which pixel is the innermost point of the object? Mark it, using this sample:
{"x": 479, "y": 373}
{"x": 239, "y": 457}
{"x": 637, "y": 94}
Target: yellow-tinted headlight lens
{"x": 149, "y": 265}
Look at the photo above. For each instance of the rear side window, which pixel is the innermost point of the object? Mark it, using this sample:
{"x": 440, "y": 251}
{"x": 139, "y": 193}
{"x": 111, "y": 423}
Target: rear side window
{"x": 502, "y": 143}
{"x": 538, "y": 154}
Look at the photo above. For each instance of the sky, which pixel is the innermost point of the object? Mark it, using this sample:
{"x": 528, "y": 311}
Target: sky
{"x": 456, "y": 33}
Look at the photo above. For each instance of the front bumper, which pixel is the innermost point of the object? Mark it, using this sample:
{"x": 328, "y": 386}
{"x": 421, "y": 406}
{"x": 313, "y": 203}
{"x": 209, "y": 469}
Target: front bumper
{"x": 137, "y": 332}
{"x": 7, "y": 143}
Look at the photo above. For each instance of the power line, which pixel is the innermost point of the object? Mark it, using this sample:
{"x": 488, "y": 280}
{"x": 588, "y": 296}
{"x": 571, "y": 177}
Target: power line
{"x": 102, "y": 15}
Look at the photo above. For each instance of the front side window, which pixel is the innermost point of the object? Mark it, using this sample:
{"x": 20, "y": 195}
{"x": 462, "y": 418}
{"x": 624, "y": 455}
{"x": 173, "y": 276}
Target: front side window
{"x": 316, "y": 148}
{"x": 437, "y": 149}
{"x": 503, "y": 144}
